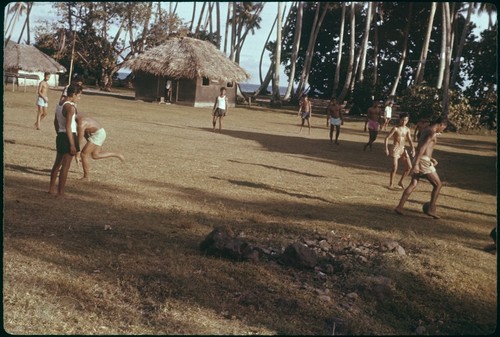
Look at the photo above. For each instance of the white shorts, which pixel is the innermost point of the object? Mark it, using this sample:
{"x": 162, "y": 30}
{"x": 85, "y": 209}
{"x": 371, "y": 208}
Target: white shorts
{"x": 98, "y": 137}
{"x": 335, "y": 121}
{"x": 41, "y": 102}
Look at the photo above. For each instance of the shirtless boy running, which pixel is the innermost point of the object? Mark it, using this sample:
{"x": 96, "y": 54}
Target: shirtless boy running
{"x": 399, "y": 134}
{"x": 424, "y": 166}
{"x": 335, "y": 119}
{"x": 95, "y": 135}
{"x": 372, "y": 118}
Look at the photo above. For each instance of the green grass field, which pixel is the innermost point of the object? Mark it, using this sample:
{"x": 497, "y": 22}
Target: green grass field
{"x": 65, "y": 274}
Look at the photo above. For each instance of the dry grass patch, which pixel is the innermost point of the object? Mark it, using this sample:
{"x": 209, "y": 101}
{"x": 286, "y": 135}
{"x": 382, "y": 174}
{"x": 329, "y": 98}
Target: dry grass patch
{"x": 65, "y": 274}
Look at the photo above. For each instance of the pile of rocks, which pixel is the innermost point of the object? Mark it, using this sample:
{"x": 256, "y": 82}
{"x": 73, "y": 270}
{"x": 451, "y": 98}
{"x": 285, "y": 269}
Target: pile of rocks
{"x": 329, "y": 254}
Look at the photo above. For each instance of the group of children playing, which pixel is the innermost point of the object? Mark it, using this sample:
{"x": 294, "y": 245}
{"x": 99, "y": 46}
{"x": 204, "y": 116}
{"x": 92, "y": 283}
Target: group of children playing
{"x": 71, "y": 128}
{"x": 422, "y": 165}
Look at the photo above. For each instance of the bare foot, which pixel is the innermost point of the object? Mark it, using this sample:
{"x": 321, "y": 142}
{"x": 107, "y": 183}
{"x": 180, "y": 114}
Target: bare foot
{"x": 400, "y": 184}
{"x": 398, "y": 211}
{"x": 435, "y": 216}
{"x": 52, "y": 192}
{"x": 84, "y": 179}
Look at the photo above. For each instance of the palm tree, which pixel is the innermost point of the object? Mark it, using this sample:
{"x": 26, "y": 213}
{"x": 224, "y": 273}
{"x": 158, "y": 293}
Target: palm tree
{"x": 425, "y": 47}
{"x": 295, "y": 49}
{"x": 228, "y": 23}
{"x": 310, "y": 48}
{"x": 264, "y": 49}
{"x": 277, "y": 58}
{"x": 447, "y": 31}
{"x": 403, "y": 51}
{"x": 26, "y": 24}
{"x": 339, "y": 55}
{"x": 364, "y": 46}
{"x": 18, "y": 9}
{"x": 488, "y": 8}
{"x": 456, "y": 63}
{"x": 351, "y": 55}
{"x": 192, "y": 17}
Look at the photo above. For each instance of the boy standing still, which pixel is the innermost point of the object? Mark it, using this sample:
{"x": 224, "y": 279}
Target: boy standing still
{"x": 66, "y": 140}
{"x": 42, "y": 101}
{"x": 335, "y": 118}
{"x": 220, "y": 108}
{"x": 400, "y": 134}
{"x": 305, "y": 112}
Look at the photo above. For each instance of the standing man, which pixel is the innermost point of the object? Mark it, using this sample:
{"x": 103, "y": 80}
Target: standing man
{"x": 387, "y": 115}
{"x": 42, "y": 101}
{"x": 400, "y": 134}
{"x": 220, "y": 108}
{"x": 96, "y": 135}
{"x": 305, "y": 112}
{"x": 335, "y": 118}
{"x": 66, "y": 140}
{"x": 372, "y": 118}
{"x": 424, "y": 166}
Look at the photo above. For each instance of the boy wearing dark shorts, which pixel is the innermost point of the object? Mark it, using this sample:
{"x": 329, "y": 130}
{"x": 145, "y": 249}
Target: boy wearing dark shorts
{"x": 66, "y": 139}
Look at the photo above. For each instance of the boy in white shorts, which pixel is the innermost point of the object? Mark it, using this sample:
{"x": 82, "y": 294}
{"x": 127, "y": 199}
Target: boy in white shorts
{"x": 95, "y": 136}
{"x": 42, "y": 100}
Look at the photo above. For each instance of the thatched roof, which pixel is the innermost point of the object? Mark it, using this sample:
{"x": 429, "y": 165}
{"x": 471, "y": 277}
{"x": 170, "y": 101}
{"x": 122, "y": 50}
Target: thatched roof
{"x": 187, "y": 58}
{"x": 28, "y": 58}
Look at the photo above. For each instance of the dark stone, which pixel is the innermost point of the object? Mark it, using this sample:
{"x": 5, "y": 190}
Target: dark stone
{"x": 222, "y": 243}
{"x": 299, "y": 255}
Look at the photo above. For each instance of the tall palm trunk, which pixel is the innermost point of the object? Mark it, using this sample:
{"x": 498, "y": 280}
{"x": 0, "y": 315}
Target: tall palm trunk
{"x": 217, "y": 18}
{"x": 228, "y": 23}
{"x": 444, "y": 42}
{"x": 375, "y": 54}
{"x": 310, "y": 48}
{"x": 446, "y": 80}
{"x": 351, "y": 55}
{"x": 419, "y": 76}
{"x": 192, "y": 17}
{"x": 295, "y": 49}
{"x": 233, "y": 32}
{"x": 403, "y": 51}
{"x": 456, "y": 63}
{"x": 339, "y": 55}
{"x": 264, "y": 49}
{"x": 200, "y": 18}
{"x": 366, "y": 36}
{"x": 277, "y": 58}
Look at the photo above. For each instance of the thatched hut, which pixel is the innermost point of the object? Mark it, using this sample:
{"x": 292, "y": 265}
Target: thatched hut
{"x": 27, "y": 64}
{"x": 195, "y": 69}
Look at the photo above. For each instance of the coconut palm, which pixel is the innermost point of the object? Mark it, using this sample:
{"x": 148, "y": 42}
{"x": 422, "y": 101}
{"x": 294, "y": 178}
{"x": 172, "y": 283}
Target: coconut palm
{"x": 425, "y": 47}
{"x": 295, "y": 48}
{"x": 318, "y": 20}
{"x": 339, "y": 54}
{"x": 456, "y": 62}
{"x": 16, "y": 10}
{"x": 350, "y": 66}
{"x": 364, "y": 46}
{"x": 277, "y": 58}
{"x": 404, "y": 48}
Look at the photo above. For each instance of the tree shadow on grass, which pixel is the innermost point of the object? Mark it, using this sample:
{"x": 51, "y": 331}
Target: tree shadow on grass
{"x": 142, "y": 255}
{"x": 475, "y": 172}
{"x": 27, "y": 169}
